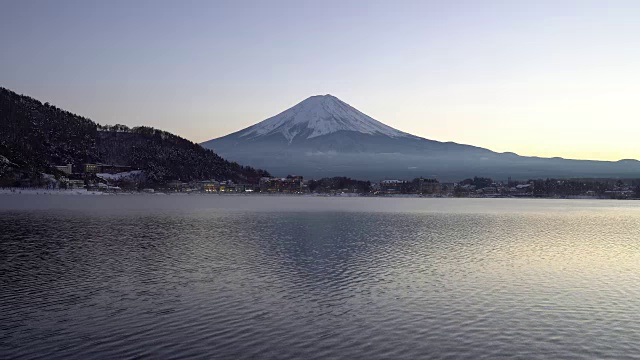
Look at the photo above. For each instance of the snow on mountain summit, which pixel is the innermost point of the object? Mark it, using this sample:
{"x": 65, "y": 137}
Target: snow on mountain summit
{"x": 320, "y": 115}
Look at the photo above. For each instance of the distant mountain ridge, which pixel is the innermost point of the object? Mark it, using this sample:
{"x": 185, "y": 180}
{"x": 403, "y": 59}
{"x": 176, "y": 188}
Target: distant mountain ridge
{"x": 35, "y": 136}
{"x": 323, "y": 136}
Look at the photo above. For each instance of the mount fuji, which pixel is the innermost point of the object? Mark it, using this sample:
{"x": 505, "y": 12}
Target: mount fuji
{"x": 323, "y": 136}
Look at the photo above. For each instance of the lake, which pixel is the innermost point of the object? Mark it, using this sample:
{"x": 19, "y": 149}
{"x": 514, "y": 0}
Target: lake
{"x": 240, "y": 277}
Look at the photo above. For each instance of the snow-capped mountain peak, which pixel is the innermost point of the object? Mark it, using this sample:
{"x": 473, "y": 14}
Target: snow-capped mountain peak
{"x": 320, "y": 115}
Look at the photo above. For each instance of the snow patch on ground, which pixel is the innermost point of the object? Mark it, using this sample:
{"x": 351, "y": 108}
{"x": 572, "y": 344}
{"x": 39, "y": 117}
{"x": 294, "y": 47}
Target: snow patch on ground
{"x": 120, "y": 176}
{"x": 5, "y": 161}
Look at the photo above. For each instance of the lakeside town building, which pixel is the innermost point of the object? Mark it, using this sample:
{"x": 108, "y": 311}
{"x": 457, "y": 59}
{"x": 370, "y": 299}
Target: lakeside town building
{"x": 391, "y": 186}
{"x": 111, "y": 177}
{"x": 292, "y": 184}
{"x": 104, "y": 168}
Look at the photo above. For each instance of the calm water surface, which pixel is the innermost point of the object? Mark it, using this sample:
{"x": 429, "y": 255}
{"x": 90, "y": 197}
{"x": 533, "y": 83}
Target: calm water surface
{"x": 316, "y": 278}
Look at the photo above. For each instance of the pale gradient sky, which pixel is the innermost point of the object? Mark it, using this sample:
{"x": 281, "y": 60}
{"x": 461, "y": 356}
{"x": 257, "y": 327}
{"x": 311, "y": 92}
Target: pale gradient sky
{"x": 545, "y": 78}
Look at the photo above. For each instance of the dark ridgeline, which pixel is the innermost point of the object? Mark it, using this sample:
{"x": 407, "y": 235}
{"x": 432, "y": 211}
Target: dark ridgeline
{"x": 36, "y": 136}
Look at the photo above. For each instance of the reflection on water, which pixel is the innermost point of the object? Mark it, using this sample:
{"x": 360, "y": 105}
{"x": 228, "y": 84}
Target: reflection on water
{"x": 318, "y": 278}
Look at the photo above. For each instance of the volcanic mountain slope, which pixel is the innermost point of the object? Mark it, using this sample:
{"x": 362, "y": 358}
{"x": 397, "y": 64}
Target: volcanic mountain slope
{"x": 323, "y": 136}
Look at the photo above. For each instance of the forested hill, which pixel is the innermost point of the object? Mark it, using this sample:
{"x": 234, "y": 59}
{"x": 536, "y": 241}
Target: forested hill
{"x": 165, "y": 156}
{"x": 36, "y": 136}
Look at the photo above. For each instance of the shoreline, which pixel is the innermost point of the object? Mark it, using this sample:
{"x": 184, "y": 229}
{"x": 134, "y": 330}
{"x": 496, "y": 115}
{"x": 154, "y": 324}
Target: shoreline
{"x": 84, "y": 192}
{"x": 40, "y": 191}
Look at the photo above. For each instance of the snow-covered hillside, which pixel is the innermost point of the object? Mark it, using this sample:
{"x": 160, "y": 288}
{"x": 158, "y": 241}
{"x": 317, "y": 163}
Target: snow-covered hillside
{"x": 320, "y": 115}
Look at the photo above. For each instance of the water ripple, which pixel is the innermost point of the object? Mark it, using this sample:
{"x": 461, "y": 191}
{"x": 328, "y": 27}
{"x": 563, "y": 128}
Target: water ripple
{"x": 538, "y": 281}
